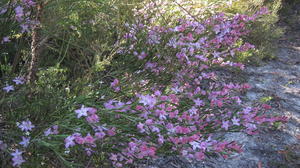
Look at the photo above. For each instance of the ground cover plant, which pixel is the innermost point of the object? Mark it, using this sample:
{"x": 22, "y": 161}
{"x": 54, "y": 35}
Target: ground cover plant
{"x": 151, "y": 88}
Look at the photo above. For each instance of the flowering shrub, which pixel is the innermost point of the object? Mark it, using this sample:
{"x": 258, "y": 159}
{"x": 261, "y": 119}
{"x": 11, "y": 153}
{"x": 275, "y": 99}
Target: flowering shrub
{"x": 185, "y": 115}
{"x": 264, "y": 29}
{"x": 172, "y": 101}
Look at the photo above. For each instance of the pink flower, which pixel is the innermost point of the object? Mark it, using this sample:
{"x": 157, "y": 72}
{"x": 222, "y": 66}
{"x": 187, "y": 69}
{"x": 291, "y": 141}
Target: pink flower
{"x": 151, "y": 151}
{"x": 199, "y": 156}
{"x": 91, "y": 110}
{"x": 79, "y": 140}
{"x": 111, "y": 132}
{"x": 93, "y": 118}
{"x": 164, "y": 98}
{"x": 246, "y": 86}
{"x": 129, "y": 161}
{"x": 236, "y": 147}
{"x": 203, "y": 145}
{"x": 173, "y": 114}
{"x": 139, "y": 107}
{"x": 89, "y": 139}
{"x": 146, "y": 151}
{"x": 114, "y": 83}
{"x": 149, "y": 122}
{"x": 219, "y": 147}
{"x": 266, "y": 106}
{"x": 182, "y": 130}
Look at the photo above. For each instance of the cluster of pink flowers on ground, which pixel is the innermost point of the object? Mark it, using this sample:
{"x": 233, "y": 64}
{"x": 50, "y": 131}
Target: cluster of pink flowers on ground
{"x": 100, "y": 131}
{"x": 198, "y": 104}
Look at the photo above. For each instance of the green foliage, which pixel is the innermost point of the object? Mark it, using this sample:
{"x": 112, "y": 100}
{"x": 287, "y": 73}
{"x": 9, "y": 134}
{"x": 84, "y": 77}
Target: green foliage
{"x": 80, "y": 60}
{"x": 12, "y": 54}
{"x": 81, "y": 39}
{"x": 266, "y": 99}
{"x": 264, "y": 32}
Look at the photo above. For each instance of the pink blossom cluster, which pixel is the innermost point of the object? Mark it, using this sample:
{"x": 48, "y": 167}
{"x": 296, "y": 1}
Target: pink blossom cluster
{"x": 182, "y": 115}
{"x": 100, "y": 131}
{"x": 115, "y": 85}
{"x": 185, "y": 115}
{"x": 199, "y": 104}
